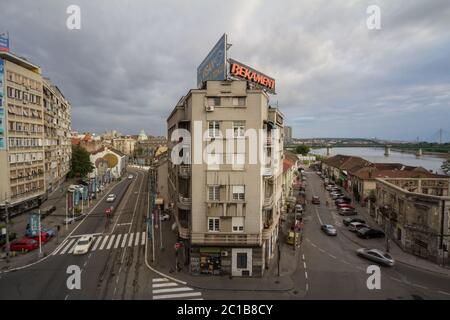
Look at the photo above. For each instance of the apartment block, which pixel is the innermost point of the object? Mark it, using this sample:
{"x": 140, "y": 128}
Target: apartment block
{"x": 24, "y": 133}
{"x": 57, "y": 136}
{"x": 226, "y": 206}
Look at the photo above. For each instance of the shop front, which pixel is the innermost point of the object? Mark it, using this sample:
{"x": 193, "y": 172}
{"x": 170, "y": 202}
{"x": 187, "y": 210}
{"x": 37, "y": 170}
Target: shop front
{"x": 210, "y": 261}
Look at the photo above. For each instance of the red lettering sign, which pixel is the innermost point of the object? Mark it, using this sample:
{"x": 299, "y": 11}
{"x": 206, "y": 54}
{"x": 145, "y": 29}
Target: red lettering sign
{"x": 249, "y": 74}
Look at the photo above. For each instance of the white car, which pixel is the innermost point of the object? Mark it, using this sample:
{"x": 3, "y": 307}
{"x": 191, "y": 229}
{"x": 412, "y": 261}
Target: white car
{"x": 130, "y": 176}
{"x": 355, "y": 226}
{"x": 83, "y": 245}
{"x": 111, "y": 197}
{"x": 164, "y": 217}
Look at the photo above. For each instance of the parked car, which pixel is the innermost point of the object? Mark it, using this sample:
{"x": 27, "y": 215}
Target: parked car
{"x": 315, "y": 200}
{"x": 347, "y": 212}
{"x": 298, "y": 208}
{"x": 111, "y": 197}
{"x": 329, "y": 229}
{"x": 376, "y": 256}
{"x": 83, "y": 245}
{"x": 355, "y": 226}
{"x": 164, "y": 217}
{"x": 24, "y": 244}
{"x": 335, "y": 196}
{"x": 130, "y": 176}
{"x": 369, "y": 233}
{"x": 347, "y": 221}
{"x": 345, "y": 205}
{"x": 341, "y": 200}
{"x": 290, "y": 237}
{"x": 51, "y": 232}
{"x": 44, "y": 236}
{"x": 71, "y": 219}
{"x": 319, "y": 173}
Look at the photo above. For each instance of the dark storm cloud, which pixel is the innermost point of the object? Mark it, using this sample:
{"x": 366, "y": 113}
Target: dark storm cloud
{"x": 131, "y": 61}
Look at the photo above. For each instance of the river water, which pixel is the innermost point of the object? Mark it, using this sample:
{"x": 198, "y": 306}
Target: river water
{"x": 376, "y": 155}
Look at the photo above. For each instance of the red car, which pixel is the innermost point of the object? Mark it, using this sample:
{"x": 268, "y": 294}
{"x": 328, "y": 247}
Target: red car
{"x": 24, "y": 244}
{"x": 345, "y": 205}
{"x": 44, "y": 237}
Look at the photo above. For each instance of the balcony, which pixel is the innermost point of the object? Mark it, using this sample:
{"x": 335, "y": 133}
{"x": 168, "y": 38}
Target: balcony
{"x": 184, "y": 171}
{"x": 225, "y": 239}
{"x": 184, "y": 202}
{"x": 268, "y": 202}
{"x": 267, "y": 171}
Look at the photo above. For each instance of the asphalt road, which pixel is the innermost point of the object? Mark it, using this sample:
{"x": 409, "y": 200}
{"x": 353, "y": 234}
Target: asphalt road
{"x": 333, "y": 271}
{"x": 117, "y": 271}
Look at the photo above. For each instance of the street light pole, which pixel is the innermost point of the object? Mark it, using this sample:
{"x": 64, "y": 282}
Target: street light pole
{"x": 39, "y": 233}
{"x": 7, "y": 231}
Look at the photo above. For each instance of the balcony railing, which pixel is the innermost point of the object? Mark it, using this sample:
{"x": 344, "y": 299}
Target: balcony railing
{"x": 184, "y": 171}
{"x": 185, "y": 200}
{"x": 225, "y": 239}
{"x": 268, "y": 201}
{"x": 267, "y": 171}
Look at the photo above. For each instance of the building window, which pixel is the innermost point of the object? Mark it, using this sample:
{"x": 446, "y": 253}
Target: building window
{"x": 238, "y": 192}
{"x": 214, "y": 101}
{"x": 237, "y": 224}
{"x": 241, "y": 260}
{"x": 239, "y": 102}
{"x": 214, "y": 193}
{"x": 238, "y": 129}
{"x": 214, "y": 129}
{"x": 213, "y": 224}
{"x": 238, "y": 161}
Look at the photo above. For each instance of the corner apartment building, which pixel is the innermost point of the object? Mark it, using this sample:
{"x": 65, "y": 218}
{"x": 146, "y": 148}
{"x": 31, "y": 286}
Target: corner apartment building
{"x": 23, "y": 134}
{"x": 227, "y": 214}
{"x": 57, "y": 136}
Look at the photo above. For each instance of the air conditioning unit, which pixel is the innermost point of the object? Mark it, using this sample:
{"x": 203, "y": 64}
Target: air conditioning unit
{"x": 209, "y": 108}
{"x": 224, "y": 253}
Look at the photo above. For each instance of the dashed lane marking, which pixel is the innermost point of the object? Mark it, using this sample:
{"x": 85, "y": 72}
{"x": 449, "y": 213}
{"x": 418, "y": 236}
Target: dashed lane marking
{"x": 111, "y": 241}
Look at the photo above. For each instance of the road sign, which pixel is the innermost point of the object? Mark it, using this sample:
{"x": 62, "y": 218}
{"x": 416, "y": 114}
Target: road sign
{"x": 34, "y": 224}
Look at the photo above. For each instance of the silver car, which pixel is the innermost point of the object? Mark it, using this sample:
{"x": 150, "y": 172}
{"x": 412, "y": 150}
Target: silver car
{"x": 376, "y": 256}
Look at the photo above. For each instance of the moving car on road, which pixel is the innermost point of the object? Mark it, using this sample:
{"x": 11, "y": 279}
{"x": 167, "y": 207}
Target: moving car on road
{"x": 376, "y": 256}
{"x": 130, "y": 176}
{"x": 369, "y": 233}
{"x": 329, "y": 229}
{"x": 315, "y": 200}
{"x": 347, "y": 221}
{"x": 111, "y": 197}
{"x": 83, "y": 245}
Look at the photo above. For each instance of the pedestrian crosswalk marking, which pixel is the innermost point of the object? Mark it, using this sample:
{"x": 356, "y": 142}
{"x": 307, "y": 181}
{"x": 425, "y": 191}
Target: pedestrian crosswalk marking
{"x": 117, "y": 241}
{"x": 136, "y": 240}
{"x": 110, "y": 242}
{"x": 162, "y": 288}
{"x": 131, "y": 240}
{"x": 100, "y": 242}
{"x": 97, "y": 243}
{"x": 124, "y": 242}
{"x": 104, "y": 242}
{"x": 68, "y": 246}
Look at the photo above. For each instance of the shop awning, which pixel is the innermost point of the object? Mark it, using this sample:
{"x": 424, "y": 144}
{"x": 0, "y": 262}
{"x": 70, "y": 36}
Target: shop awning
{"x": 210, "y": 250}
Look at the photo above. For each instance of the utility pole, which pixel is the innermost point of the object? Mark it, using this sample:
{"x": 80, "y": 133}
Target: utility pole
{"x": 39, "y": 233}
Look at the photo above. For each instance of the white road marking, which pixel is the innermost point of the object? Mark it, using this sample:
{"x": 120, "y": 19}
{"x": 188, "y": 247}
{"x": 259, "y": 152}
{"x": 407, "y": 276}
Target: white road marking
{"x": 131, "y": 239}
{"x": 104, "y": 242}
{"x": 307, "y": 287}
{"x": 124, "y": 224}
{"x": 66, "y": 297}
{"x": 332, "y": 256}
{"x": 124, "y": 242}
{"x": 443, "y": 292}
{"x": 67, "y": 246}
{"x": 306, "y": 275}
{"x": 172, "y": 290}
{"x": 143, "y": 238}
{"x": 160, "y": 280}
{"x": 395, "y": 279}
{"x": 136, "y": 242}
{"x": 313, "y": 245}
{"x": 321, "y": 250}
{"x": 117, "y": 241}
{"x": 96, "y": 243}
{"x": 419, "y": 286}
{"x": 110, "y": 242}
{"x": 179, "y": 295}
{"x": 304, "y": 265}
{"x": 303, "y": 256}
{"x": 60, "y": 247}
{"x": 160, "y": 285}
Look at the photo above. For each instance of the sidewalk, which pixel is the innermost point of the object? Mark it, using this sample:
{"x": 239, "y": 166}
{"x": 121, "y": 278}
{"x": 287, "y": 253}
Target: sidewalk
{"x": 18, "y": 225}
{"x": 165, "y": 262}
{"x": 399, "y": 255}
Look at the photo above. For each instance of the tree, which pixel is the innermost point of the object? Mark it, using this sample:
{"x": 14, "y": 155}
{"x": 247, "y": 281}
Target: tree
{"x": 81, "y": 164}
{"x": 302, "y": 149}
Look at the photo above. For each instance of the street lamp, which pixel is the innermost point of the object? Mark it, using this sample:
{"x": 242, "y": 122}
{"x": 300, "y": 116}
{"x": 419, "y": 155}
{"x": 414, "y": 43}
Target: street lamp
{"x": 7, "y": 231}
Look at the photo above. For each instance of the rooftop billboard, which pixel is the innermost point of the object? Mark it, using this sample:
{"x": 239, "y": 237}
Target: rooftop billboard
{"x": 214, "y": 67}
{"x": 259, "y": 79}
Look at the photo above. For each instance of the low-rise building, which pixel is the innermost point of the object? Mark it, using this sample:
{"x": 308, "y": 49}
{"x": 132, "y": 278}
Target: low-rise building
{"x": 117, "y": 161}
{"x": 415, "y": 214}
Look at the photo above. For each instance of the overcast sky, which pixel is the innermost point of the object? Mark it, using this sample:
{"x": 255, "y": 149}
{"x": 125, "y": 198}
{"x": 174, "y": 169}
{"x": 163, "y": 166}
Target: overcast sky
{"x": 132, "y": 60}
